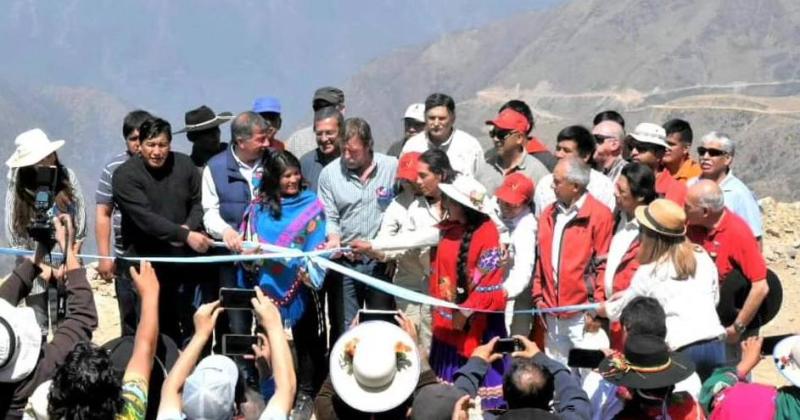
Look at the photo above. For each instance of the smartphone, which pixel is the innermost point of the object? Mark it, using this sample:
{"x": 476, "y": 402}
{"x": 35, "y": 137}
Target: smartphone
{"x": 583, "y": 358}
{"x": 769, "y": 343}
{"x": 365, "y": 315}
{"x": 230, "y": 298}
{"x": 507, "y": 345}
{"x": 238, "y": 344}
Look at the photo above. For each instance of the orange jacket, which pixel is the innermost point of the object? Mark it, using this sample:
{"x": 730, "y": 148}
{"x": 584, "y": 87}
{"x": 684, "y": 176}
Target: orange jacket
{"x": 584, "y": 248}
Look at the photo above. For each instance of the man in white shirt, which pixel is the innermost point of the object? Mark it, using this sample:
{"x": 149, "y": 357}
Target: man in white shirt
{"x": 575, "y": 141}
{"x": 463, "y": 150}
{"x": 609, "y": 136}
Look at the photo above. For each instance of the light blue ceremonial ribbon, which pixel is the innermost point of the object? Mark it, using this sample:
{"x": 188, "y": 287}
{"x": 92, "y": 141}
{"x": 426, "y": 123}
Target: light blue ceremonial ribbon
{"x": 318, "y": 258}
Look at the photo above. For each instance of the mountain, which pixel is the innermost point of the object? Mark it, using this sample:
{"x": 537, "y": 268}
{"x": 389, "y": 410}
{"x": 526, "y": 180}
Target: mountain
{"x": 722, "y": 65}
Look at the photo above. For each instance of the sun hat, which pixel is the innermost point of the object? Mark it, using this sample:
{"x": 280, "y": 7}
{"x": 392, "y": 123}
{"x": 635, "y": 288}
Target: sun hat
{"x": 516, "y": 189}
{"x": 469, "y": 192}
{"x": 510, "y": 119}
{"x": 733, "y": 292}
{"x": 20, "y": 342}
{"x": 203, "y": 118}
{"x": 32, "y": 146}
{"x": 650, "y": 133}
{"x": 267, "y": 104}
{"x": 415, "y": 112}
{"x": 787, "y": 358}
{"x": 646, "y": 364}
{"x": 209, "y": 392}
{"x": 374, "y": 366}
{"x": 407, "y": 166}
{"x": 662, "y": 216}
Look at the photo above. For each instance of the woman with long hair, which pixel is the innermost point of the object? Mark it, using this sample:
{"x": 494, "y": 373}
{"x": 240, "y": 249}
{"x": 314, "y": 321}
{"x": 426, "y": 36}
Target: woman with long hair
{"x": 683, "y": 278}
{"x": 466, "y": 270}
{"x": 288, "y": 215}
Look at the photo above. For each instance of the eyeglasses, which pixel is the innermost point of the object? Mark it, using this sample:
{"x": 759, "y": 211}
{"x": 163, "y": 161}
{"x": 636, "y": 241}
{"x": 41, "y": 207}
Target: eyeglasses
{"x": 601, "y": 138}
{"x": 644, "y": 147}
{"x": 701, "y": 151}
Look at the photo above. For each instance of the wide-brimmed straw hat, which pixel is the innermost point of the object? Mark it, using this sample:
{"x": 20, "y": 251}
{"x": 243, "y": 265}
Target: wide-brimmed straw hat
{"x": 662, "y": 216}
{"x": 20, "y": 342}
{"x": 203, "y": 118}
{"x": 374, "y": 367}
{"x": 646, "y": 364}
{"x": 32, "y": 146}
{"x": 469, "y": 192}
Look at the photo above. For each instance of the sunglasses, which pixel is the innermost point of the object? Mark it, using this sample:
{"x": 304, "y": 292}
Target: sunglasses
{"x": 501, "y": 135}
{"x": 701, "y": 151}
{"x": 601, "y": 138}
{"x": 644, "y": 147}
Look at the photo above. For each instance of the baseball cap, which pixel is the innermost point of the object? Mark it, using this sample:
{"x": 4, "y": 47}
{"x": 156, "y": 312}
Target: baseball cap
{"x": 209, "y": 392}
{"x": 267, "y": 104}
{"x": 435, "y": 401}
{"x": 510, "y": 119}
{"x": 326, "y": 96}
{"x": 516, "y": 189}
{"x": 650, "y": 133}
{"x": 415, "y": 112}
{"x": 407, "y": 166}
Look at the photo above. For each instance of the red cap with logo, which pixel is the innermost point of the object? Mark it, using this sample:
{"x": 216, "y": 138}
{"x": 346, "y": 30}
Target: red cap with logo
{"x": 510, "y": 120}
{"x": 407, "y": 166}
{"x": 517, "y": 189}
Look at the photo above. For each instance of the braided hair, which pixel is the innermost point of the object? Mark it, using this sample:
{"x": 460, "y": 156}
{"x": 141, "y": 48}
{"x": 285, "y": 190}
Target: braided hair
{"x": 474, "y": 219}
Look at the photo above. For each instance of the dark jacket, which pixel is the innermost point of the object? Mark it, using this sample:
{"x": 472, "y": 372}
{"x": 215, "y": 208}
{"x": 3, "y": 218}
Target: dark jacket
{"x": 80, "y": 321}
{"x": 232, "y": 189}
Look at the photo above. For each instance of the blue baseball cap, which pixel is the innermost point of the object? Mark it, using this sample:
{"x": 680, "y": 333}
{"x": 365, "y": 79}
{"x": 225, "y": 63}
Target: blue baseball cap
{"x": 267, "y": 104}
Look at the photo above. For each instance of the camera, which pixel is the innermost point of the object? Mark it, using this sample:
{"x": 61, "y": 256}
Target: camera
{"x": 41, "y": 228}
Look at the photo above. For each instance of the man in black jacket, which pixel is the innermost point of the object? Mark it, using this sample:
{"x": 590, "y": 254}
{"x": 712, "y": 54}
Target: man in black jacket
{"x": 158, "y": 194}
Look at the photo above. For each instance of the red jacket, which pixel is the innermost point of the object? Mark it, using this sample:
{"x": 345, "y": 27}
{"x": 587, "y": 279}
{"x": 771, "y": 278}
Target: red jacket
{"x": 622, "y": 280}
{"x": 584, "y": 248}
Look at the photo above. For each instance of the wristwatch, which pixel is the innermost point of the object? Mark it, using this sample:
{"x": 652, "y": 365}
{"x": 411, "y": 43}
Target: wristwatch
{"x": 739, "y": 327}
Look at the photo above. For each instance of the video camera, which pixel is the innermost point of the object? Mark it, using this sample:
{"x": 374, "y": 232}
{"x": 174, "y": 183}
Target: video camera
{"x": 41, "y": 228}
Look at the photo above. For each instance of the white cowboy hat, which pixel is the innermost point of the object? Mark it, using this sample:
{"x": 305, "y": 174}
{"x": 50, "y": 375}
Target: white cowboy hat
{"x": 20, "y": 342}
{"x": 375, "y": 366}
{"x": 469, "y": 192}
{"x": 787, "y": 358}
{"x": 32, "y": 146}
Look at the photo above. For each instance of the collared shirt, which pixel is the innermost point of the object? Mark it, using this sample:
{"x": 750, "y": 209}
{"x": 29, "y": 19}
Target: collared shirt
{"x": 689, "y": 169}
{"x": 600, "y": 187}
{"x": 522, "y": 253}
{"x": 104, "y": 195}
{"x": 302, "y": 141}
{"x": 731, "y": 247}
{"x": 354, "y": 209}
{"x": 627, "y": 232}
{"x": 743, "y": 202}
{"x": 615, "y": 170}
{"x": 311, "y": 165}
{"x": 491, "y": 173}
{"x": 667, "y": 187}
{"x": 563, "y": 216}
{"x": 212, "y": 220}
{"x": 463, "y": 150}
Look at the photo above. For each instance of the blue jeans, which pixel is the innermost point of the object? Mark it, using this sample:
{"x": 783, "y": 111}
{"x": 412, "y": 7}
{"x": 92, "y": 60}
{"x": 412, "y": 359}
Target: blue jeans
{"x": 707, "y": 355}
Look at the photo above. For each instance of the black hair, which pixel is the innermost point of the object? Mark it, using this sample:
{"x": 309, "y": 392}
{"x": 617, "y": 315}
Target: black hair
{"x": 522, "y": 108}
{"x": 642, "y": 181}
{"x": 528, "y": 385}
{"x": 133, "y": 120}
{"x": 581, "y": 136}
{"x": 644, "y": 315}
{"x": 275, "y": 164}
{"x": 358, "y": 127}
{"x": 681, "y": 127}
{"x": 609, "y": 115}
{"x": 440, "y": 99}
{"x": 25, "y": 191}
{"x": 86, "y": 386}
{"x": 154, "y": 127}
{"x": 439, "y": 164}
{"x": 474, "y": 219}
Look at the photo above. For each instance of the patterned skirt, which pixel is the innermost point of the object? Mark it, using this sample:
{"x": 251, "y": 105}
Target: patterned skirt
{"x": 445, "y": 362}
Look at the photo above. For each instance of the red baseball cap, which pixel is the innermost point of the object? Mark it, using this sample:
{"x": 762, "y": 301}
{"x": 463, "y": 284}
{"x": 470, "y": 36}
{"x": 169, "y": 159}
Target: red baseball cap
{"x": 407, "y": 166}
{"x": 510, "y": 120}
{"x": 517, "y": 189}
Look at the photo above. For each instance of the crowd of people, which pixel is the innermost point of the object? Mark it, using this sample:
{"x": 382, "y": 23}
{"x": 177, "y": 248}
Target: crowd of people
{"x": 618, "y": 276}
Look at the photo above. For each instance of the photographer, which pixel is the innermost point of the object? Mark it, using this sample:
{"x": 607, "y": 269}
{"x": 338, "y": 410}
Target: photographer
{"x": 34, "y": 154}
{"x": 25, "y": 359}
